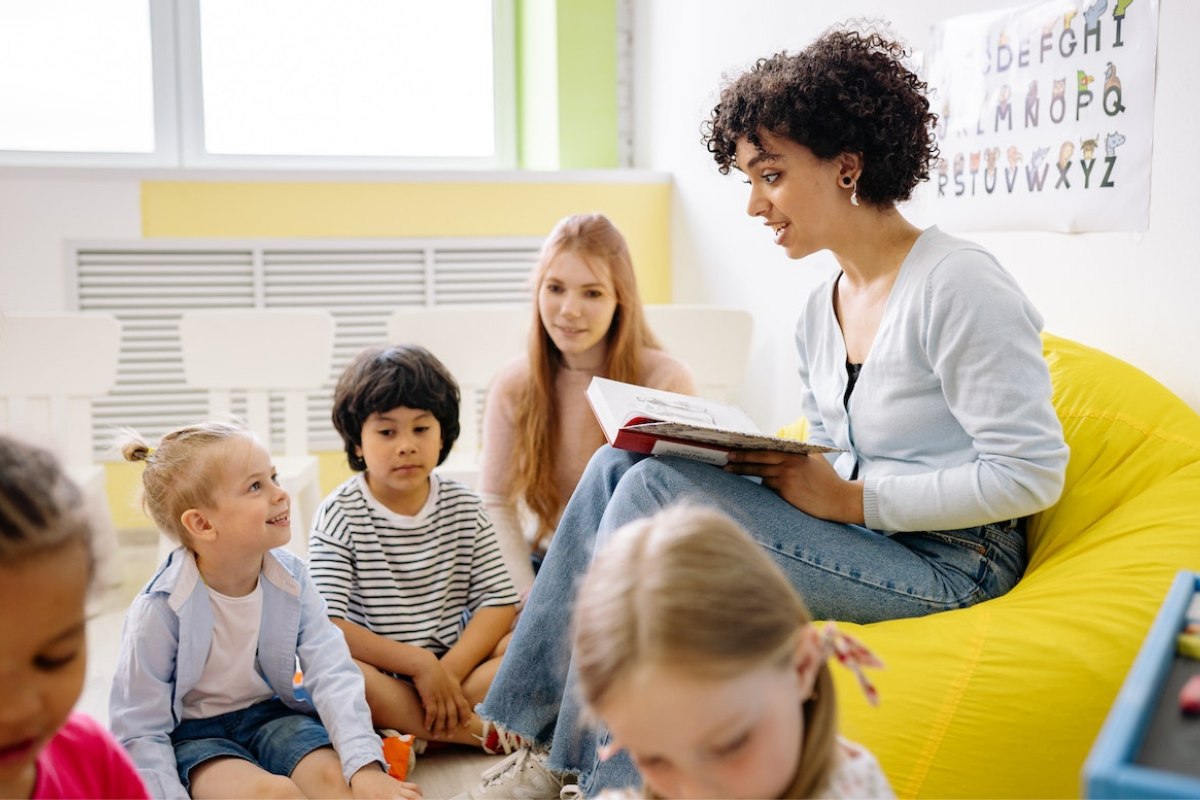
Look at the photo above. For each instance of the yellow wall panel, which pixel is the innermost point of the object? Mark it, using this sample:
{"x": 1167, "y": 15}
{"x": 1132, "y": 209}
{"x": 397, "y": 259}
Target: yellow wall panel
{"x": 357, "y": 210}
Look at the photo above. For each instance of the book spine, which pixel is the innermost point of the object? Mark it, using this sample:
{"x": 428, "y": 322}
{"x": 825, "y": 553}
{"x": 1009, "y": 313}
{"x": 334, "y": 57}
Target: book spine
{"x": 634, "y": 442}
{"x": 637, "y": 442}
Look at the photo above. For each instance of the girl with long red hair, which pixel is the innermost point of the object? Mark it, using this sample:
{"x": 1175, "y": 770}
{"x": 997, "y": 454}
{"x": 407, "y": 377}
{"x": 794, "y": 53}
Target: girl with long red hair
{"x": 538, "y": 430}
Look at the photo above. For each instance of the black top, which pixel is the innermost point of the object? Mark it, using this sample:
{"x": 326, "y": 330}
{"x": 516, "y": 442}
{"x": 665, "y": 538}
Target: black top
{"x": 852, "y": 373}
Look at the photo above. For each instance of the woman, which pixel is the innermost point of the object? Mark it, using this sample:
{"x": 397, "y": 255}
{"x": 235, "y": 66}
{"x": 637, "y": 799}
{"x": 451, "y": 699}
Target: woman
{"x": 921, "y": 360}
{"x": 538, "y": 430}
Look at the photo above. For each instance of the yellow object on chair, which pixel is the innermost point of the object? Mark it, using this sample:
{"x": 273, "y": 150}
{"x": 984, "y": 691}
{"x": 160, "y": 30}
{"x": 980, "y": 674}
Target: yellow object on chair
{"x": 1005, "y": 699}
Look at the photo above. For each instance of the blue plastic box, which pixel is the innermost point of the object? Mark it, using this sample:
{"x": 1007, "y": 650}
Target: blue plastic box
{"x": 1111, "y": 770}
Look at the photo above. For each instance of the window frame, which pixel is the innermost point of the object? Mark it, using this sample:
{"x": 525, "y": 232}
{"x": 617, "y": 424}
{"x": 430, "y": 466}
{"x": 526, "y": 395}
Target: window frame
{"x": 179, "y": 113}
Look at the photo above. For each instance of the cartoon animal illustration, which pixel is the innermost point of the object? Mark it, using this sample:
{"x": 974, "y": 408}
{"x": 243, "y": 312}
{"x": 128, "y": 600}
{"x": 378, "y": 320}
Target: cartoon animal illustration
{"x": 1031, "y": 98}
{"x": 1014, "y": 157}
{"x": 1111, "y": 80}
{"x": 1084, "y": 80}
{"x": 1091, "y": 15}
{"x": 1111, "y": 142}
{"x": 1087, "y": 147}
{"x": 1037, "y": 157}
{"x": 991, "y": 155}
{"x": 1059, "y": 89}
{"x": 943, "y": 167}
{"x": 1067, "y": 17}
{"x": 1119, "y": 8}
{"x": 1064, "y": 154}
{"x": 1004, "y": 104}
{"x": 959, "y": 163}
{"x": 974, "y": 162}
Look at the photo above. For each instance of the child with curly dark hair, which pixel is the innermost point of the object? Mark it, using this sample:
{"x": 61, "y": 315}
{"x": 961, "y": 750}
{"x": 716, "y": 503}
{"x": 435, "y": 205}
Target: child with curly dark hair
{"x": 921, "y": 362}
{"x": 408, "y": 562}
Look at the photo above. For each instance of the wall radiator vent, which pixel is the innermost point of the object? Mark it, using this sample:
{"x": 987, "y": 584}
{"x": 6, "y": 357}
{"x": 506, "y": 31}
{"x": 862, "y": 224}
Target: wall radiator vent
{"x": 147, "y": 284}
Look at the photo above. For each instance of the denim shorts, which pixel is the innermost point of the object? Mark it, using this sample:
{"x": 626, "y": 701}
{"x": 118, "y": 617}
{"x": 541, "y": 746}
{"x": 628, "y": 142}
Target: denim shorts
{"x": 268, "y": 734}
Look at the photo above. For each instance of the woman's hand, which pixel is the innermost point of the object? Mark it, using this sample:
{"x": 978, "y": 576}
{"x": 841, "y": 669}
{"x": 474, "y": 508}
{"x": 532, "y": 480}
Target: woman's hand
{"x": 372, "y": 783}
{"x": 446, "y": 706}
{"x": 810, "y": 483}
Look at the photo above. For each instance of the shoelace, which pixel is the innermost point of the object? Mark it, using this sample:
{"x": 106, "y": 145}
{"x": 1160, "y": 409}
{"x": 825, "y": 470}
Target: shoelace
{"x": 505, "y": 740}
{"x": 509, "y": 766}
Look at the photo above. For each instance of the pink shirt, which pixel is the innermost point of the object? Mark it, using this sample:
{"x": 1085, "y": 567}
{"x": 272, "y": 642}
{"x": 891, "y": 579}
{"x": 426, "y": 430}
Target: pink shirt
{"x": 84, "y": 760}
{"x": 579, "y": 438}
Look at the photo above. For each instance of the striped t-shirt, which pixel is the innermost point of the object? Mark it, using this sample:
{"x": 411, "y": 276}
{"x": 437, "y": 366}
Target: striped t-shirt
{"x": 414, "y": 579}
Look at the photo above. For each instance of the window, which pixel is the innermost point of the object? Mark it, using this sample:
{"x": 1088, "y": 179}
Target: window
{"x": 77, "y": 83}
{"x": 273, "y": 83}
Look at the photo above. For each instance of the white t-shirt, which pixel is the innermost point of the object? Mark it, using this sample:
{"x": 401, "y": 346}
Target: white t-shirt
{"x": 857, "y": 775}
{"x": 230, "y": 680}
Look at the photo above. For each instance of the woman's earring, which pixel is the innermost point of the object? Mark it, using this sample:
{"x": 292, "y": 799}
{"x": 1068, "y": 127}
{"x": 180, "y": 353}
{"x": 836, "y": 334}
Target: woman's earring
{"x": 847, "y": 183}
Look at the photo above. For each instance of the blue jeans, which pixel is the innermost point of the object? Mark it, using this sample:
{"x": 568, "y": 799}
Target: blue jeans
{"x": 267, "y": 734}
{"x": 844, "y": 572}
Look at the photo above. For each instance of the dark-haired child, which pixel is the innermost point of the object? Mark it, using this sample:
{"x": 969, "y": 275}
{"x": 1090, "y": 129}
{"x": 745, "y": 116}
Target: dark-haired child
{"x": 407, "y": 561}
{"x": 46, "y": 567}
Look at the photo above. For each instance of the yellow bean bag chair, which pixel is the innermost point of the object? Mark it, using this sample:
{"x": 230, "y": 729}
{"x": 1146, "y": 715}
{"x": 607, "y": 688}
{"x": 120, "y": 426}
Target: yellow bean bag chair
{"x": 1005, "y": 699}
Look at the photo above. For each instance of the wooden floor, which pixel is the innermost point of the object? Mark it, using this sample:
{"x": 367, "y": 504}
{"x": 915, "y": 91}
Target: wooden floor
{"x": 442, "y": 773}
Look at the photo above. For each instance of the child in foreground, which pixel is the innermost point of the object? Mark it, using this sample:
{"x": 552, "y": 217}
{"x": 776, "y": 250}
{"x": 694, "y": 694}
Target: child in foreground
{"x": 702, "y": 661}
{"x": 46, "y": 568}
{"x": 408, "y": 562}
{"x": 203, "y": 697}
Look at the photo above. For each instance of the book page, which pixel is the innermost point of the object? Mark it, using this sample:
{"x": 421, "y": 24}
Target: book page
{"x": 665, "y": 447}
{"x": 628, "y": 404}
{"x": 731, "y": 440}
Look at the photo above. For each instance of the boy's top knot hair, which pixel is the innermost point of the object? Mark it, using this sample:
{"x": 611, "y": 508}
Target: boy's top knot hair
{"x": 136, "y": 450}
{"x": 384, "y": 377}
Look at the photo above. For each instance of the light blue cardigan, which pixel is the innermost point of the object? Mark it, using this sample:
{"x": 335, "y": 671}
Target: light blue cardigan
{"x": 165, "y": 641}
{"x": 950, "y": 421}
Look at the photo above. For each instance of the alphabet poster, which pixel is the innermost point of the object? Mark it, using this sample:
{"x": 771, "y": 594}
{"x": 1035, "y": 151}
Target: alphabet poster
{"x": 1046, "y": 116}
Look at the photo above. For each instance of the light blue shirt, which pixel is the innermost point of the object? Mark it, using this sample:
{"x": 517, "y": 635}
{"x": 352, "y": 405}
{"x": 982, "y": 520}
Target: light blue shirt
{"x": 166, "y": 639}
{"x": 950, "y": 422}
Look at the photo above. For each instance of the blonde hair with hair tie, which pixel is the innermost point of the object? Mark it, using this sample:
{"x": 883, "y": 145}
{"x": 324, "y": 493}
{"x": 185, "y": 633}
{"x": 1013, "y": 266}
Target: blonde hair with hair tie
{"x": 689, "y": 589}
{"x": 180, "y": 473}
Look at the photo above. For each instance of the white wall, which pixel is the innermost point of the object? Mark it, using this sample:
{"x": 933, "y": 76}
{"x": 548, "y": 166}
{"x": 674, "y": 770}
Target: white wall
{"x": 1133, "y": 295}
{"x": 38, "y": 214}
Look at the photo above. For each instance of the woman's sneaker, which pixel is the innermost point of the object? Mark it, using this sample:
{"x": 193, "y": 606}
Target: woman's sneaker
{"x": 522, "y": 775}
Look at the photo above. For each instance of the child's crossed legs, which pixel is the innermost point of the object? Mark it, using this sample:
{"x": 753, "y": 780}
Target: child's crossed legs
{"x": 266, "y": 750}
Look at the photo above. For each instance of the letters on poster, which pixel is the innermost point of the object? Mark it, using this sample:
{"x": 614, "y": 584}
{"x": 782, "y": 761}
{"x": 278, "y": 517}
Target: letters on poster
{"x": 1045, "y": 116}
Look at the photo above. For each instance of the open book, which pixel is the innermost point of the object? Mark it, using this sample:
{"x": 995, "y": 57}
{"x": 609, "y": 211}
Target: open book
{"x": 646, "y": 420}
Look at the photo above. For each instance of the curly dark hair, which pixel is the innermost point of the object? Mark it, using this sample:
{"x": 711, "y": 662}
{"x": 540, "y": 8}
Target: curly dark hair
{"x": 847, "y": 92}
{"x": 381, "y": 378}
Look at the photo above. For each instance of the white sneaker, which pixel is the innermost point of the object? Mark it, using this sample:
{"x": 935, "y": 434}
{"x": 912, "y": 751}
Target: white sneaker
{"x": 522, "y": 775}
